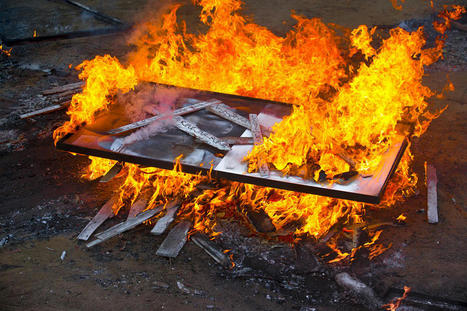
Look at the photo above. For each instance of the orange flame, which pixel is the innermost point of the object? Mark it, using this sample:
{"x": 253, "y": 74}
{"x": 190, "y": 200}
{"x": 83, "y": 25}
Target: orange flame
{"x": 395, "y": 304}
{"x": 446, "y": 16}
{"x": 336, "y": 111}
{"x": 6, "y": 52}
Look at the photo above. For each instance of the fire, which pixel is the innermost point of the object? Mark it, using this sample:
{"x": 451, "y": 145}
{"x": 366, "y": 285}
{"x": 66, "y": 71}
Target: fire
{"x": 446, "y": 16}
{"x": 395, "y": 304}
{"x": 4, "y": 51}
{"x": 346, "y": 113}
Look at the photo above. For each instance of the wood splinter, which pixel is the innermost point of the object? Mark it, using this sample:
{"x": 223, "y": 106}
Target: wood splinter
{"x": 114, "y": 170}
{"x": 175, "y": 240}
{"x": 193, "y": 130}
{"x": 258, "y": 140}
{"x": 432, "y": 196}
{"x": 45, "y": 110}
{"x": 104, "y": 213}
{"x": 212, "y": 249}
{"x": 124, "y": 226}
{"x": 164, "y": 222}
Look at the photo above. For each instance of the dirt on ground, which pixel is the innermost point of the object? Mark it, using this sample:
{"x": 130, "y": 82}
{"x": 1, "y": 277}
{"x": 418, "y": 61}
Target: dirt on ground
{"x": 44, "y": 203}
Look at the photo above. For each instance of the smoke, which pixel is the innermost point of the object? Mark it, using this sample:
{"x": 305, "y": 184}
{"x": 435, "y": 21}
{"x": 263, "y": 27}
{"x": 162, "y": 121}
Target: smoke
{"x": 145, "y": 102}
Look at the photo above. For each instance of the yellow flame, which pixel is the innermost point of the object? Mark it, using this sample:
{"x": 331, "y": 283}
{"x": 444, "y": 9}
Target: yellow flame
{"x": 342, "y": 111}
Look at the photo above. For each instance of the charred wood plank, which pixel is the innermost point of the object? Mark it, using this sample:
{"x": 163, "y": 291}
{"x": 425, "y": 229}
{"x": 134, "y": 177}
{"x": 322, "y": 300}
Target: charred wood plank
{"x": 137, "y": 207}
{"x": 45, "y": 110}
{"x": 196, "y": 105}
{"x": 175, "y": 240}
{"x": 237, "y": 140}
{"x": 64, "y": 88}
{"x": 164, "y": 222}
{"x": 68, "y": 35}
{"x": 124, "y": 226}
{"x": 212, "y": 249}
{"x": 104, "y": 213}
{"x": 193, "y": 130}
{"x": 114, "y": 170}
{"x": 432, "y": 195}
{"x": 97, "y": 14}
{"x": 258, "y": 140}
{"x": 227, "y": 113}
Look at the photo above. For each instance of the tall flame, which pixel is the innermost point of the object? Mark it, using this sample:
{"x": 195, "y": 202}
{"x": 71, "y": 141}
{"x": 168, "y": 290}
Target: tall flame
{"x": 342, "y": 108}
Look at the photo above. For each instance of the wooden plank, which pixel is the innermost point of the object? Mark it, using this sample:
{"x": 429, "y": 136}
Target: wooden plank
{"x": 114, "y": 170}
{"x": 193, "y": 130}
{"x": 195, "y": 106}
{"x": 258, "y": 140}
{"x": 104, "y": 213}
{"x": 124, "y": 226}
{"x": 99, "y": 15}
{"x": 227, "y": 113}
{"x": 237, "y": 140}
{"x": 175, "y": 240}
{"x": 432, "y": 195}
{"x": 212, "y": 249}
{"x": 164, "y": 222}
{"x": 137, "y": 207}
{"x": 45, "y": 110}
{"x": 63, "y": 88}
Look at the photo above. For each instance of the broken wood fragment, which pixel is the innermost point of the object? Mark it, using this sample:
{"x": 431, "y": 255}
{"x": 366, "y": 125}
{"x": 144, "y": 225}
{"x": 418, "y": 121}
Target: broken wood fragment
{"x": 104, "y": 213}
{"x": 195, "y": 106}
{"x": 175, "y": 240}
{"x": 258, "y": 140}
{"x": 432, "y": 195}
{"x": 212, "y": 249}
{"x": 231, "y": 140}
{"x": 114, "y": 170}
{"x": 124, "y": 226}
{"x": 137, "y": 208}
{"x": 193, "y": 130}
{"x": 227, "y": 113}
{"x": 63, "y": 88}
{"x": 164, "y": 222}
{"x": 99, "y": 15}
{"x": 45, "y": 110}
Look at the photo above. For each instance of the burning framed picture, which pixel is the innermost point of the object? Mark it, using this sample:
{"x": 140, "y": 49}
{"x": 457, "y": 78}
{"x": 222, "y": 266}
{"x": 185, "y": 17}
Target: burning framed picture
{"x": 215, "y": 134}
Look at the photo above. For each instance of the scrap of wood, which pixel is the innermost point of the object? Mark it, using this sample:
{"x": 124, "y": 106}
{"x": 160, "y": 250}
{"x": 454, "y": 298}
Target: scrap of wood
{"x": 164, "y": 222}
{"x": 137, "y": 208}
{"x": 226, "y": 112}
{"x": 232, "y": 140}
{"x": 104, "y": 213}
{"x": 212, "y": 249}
{"x": 99, "y": 15}
{"x": 114, "y": 170}
{"x": 45, "y": 110}
{"x": 175, "y": 240}
{"x": 63, "y": 88}
{"x": 432, "y": 196}
{"x": 193, "y": 130}
{"x": 124, "y": 226}
{"x": 195, "y": 106}
{"x": 258, "y": 140}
